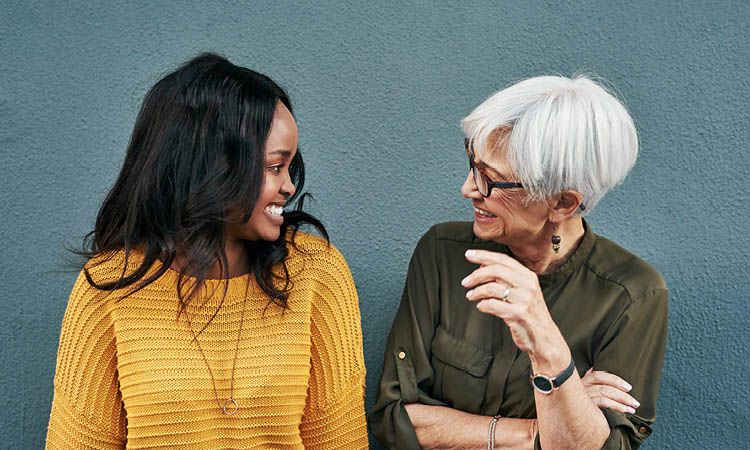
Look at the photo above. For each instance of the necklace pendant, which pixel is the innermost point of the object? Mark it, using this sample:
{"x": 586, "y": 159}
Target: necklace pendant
{"x": 230, "y": 407}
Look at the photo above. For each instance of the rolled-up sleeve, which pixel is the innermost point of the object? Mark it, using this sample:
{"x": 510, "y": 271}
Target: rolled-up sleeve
{"x": 407, "y": 373}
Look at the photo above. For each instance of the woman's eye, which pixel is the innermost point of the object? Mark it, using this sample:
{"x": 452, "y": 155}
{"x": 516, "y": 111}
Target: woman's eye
{"x": 275, "y": 169}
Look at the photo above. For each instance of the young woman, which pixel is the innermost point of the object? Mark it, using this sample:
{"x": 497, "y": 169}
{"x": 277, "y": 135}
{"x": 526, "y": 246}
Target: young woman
{"x": 203, "y": 318}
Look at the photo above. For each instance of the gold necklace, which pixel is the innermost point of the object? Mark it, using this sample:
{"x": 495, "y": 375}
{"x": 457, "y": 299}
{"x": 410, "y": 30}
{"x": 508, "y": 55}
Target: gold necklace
{"x": 230, "y": 406}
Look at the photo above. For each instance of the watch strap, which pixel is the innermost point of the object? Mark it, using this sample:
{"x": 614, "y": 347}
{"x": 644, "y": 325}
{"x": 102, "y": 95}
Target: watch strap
{"x": 563, "y": 376}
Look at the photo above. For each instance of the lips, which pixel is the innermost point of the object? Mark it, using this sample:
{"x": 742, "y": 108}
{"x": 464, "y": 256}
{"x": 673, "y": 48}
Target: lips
{"x": 275, "y": 211}
{"x": 483, "y": 213}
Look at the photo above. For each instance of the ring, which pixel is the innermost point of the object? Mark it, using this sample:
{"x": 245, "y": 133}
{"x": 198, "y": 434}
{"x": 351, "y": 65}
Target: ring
{"x": 506, "y": 293}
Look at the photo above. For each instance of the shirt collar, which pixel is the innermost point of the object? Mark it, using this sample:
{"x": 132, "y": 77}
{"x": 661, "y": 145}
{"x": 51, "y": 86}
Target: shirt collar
{"x": 574, "y": 262}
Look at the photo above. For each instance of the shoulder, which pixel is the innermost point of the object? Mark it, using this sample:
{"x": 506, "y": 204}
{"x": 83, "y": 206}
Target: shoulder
{"x": 452, "y": 231}
{"x": 446, "y": 233}
{"x": 87, "y": 323}
{"x": 109, "y": 267}
{"x": 99, "y": 270}
{"x": 318, "y": 268}
{"x": 314, "y": 251}
{"x": 316, "y": 259}
{"x": 448, "y": 241}
{"x": 611, "y": 262}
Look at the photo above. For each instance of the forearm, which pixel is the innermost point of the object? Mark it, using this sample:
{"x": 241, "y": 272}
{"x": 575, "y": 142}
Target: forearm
{"x": 439, "y": 427}
{"x": 567, "y": 418}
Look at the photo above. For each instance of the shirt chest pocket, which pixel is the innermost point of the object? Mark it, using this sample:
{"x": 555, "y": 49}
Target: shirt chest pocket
{"x": 460, "y": 371}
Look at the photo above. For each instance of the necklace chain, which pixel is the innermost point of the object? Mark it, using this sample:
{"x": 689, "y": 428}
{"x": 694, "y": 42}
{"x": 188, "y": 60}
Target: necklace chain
{"x": 230, "y": 406}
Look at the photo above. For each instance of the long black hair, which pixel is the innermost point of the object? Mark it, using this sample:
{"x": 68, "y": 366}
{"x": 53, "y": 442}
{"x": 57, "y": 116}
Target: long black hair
{"x": 196, "y": 153}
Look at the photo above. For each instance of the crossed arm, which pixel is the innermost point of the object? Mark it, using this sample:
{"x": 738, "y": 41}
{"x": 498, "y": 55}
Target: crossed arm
{"x": 440, "y": 427}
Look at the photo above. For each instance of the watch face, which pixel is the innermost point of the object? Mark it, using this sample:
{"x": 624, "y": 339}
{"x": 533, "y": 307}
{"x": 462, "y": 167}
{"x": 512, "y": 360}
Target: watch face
{"x": 543, "y": 384}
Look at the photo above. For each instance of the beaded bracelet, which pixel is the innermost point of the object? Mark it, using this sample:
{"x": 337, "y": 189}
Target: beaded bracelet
{"x": 491, "y": 433}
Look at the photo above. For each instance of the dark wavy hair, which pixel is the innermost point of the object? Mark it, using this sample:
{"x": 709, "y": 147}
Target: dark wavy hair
{"x": 197, "y": 153}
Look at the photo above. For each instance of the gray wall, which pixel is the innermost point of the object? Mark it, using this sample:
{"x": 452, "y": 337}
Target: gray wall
{"x": 379, "y": 90}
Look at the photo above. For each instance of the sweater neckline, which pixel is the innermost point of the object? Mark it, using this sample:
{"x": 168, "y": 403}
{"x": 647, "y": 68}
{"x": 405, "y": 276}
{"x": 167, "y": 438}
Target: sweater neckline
{"x": 239, "y": 286}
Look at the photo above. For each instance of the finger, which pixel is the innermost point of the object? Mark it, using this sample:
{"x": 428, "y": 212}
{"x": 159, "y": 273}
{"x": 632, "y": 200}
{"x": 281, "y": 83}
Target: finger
{"x": 586, "y": 378}
{"x": 602, "y": 377}
{"x": 496, "y": 307}
{"x": 492, "y": 273}
{"x": 618, "y": 396}
{"x": 487, "y": 258}
{"x": 608, "y": 403}
{"x": 498, "y": 291}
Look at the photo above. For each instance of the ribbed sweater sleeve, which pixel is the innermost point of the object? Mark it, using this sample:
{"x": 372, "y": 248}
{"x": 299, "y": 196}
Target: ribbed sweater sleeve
{"x": 87, "y": 409}
{"x": 334, "y": 412}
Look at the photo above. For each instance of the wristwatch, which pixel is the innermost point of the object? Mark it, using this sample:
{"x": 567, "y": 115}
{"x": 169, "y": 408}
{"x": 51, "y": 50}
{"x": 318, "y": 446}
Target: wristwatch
{"x": 546, "y": 385}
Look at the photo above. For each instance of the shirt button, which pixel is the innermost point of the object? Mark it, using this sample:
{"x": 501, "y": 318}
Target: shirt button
{"x": 642, "y": 430}
{"x": 401, "y": 355}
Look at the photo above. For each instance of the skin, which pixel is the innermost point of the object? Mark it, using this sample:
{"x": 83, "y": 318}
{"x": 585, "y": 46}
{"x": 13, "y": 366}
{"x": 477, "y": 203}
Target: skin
{"x": 570, "y": 417}
{"x": 280, "y": 149}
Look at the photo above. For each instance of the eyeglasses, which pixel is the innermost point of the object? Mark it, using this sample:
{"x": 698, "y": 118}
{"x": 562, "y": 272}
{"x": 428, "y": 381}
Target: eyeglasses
{"x": 481, "y": 180}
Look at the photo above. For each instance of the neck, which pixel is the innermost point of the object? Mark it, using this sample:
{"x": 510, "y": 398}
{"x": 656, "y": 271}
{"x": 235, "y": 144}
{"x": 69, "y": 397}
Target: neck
{"x": 237, "y": 258}
{"x": 537, "y": 254}
{"x": 237, "y": 261}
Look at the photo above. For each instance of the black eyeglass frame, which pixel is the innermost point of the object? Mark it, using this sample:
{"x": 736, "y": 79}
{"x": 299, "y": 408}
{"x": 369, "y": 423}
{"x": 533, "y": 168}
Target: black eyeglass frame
{"x": 477, "y": 171}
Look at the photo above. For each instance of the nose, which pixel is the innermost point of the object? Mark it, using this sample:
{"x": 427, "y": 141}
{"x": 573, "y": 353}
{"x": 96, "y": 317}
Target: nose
{"x": 469, "y": 188}
{"x": 288, "y": 188}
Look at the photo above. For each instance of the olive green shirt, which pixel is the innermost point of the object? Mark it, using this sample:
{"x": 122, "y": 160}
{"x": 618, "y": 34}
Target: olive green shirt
{"x": 610, "y": 306}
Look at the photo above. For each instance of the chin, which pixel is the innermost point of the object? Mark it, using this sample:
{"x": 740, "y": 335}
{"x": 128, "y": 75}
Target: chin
{"x": 271, "y": 235}
{"x": 484, "y": 234}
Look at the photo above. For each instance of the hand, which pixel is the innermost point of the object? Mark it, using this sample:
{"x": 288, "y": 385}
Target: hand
{"x": 607, "y": 390}
{"x": 522, "y": 307}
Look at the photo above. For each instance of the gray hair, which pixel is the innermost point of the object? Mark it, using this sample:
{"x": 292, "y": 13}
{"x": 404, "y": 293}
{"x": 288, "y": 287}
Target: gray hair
{"x": 564, "y": 134}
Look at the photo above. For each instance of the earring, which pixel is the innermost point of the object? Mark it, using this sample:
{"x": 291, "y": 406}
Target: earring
{"x": 556, "y": 239}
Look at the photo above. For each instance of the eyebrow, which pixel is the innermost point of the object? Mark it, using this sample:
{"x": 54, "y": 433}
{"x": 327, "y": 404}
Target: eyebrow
{"x": 284, "y": 153}
{"x": 485, "y": 167}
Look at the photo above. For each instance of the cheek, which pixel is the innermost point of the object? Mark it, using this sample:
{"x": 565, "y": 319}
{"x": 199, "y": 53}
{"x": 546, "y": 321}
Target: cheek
{"x": 508, "y": 207}
{"x": 501, "y": 202}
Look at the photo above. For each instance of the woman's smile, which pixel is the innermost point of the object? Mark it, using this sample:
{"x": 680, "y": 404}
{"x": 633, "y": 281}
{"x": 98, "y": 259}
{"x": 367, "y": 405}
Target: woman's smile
{"x": 482, "y": 214}
{"x": 274, "y": 212}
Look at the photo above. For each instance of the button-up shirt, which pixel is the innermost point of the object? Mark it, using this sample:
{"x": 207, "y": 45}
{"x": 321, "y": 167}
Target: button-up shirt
{"x": 610, "y": 306}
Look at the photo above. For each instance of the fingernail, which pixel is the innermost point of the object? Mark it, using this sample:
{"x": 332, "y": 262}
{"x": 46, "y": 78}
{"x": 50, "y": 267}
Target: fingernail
{"x": 636, "y": 403}
{"x": 469, "y": 253}
{"x": 627, "y": 387}
{"x": 480, "y": 305}
{"x": 468, "y": 294}
{"x": 464, "y": 281}
{"x": 629, "y": 410}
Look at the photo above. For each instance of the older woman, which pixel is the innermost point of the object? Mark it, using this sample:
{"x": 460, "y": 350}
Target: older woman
{"x": 499, "y": 317}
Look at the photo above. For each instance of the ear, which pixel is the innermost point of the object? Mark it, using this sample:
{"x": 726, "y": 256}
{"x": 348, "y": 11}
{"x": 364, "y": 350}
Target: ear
{"x": 563, "y": 205}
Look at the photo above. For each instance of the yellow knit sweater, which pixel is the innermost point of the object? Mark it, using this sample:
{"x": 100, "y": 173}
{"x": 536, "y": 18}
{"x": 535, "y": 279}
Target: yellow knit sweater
{"x": 130, "y": 376}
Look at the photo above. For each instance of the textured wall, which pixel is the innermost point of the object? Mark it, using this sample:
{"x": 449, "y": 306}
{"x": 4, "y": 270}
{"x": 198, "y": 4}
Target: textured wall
{"x": 379, "y": 90}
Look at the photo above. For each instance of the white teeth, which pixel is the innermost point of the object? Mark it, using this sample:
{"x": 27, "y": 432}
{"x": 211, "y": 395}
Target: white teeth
{"x": 483, "y": 213}
{"x": 274, "y": 210}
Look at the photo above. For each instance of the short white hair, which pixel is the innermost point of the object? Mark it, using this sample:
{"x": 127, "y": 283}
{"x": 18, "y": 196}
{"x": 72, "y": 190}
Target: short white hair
{"x": 565, "y": 133}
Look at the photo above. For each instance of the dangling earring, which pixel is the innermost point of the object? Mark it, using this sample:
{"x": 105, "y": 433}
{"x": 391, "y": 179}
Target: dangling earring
{"x": 556, "y": 239}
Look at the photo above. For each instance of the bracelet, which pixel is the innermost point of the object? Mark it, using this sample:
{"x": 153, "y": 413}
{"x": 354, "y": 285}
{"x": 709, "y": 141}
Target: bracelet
{"x": 491, "y": 433}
